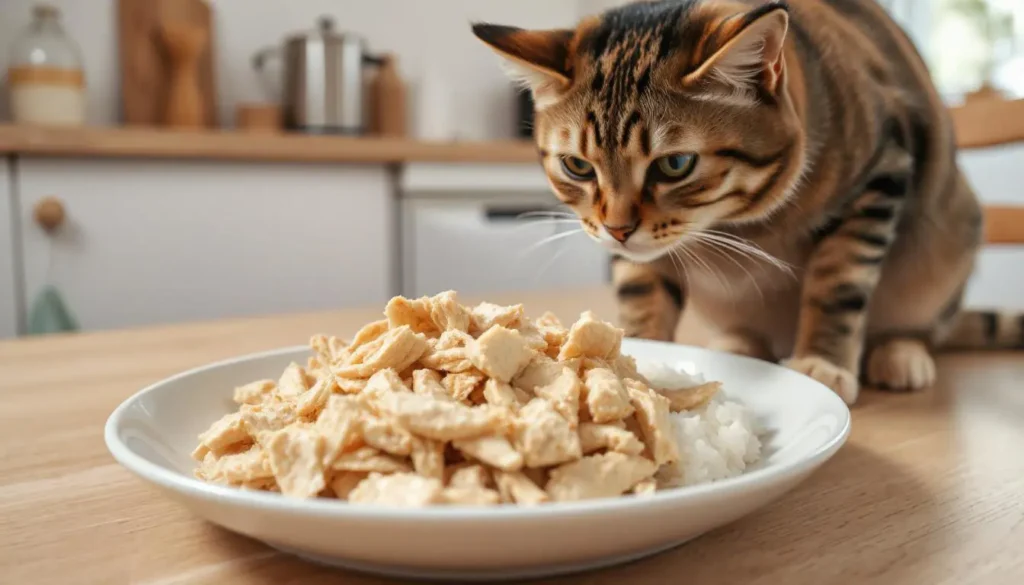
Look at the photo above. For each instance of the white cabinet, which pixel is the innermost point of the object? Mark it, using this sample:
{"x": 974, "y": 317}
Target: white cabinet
{"x": 997, "y": 175}
{"x": 8, "y": 283}
{"x": 165, "y": 241}
{"x": 463, "y": 229}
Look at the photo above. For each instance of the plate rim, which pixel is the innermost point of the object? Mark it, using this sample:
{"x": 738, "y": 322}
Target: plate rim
{"x": 325, "y": 509}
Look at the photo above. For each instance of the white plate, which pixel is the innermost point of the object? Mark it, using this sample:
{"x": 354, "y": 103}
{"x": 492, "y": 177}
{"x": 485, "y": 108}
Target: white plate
{"x": 153, "y": 433}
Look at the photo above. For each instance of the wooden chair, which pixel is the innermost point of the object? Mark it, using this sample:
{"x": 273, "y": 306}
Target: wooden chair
{"x": 987, "y": 120}
{"x": 1004, "y": 225}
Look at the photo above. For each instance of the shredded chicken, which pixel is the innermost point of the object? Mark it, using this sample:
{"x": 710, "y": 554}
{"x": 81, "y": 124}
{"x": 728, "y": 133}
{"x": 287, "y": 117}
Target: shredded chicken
{"x": 255, "y": 392}
{"x": 296, "y": 458}
{"x": 596, "y": 437}
{"x": 544, "y": 437}
{"x": 682, "y": 399}
{"x": 495, "y": 451}
{"x": 443, "y": 404}
{"x": 397, "y": 350}
{"x": 487, "y": 315}
{"x": 400, "y": 489}
{"x": 517, "y": 488}
{"x": 607, "y": 399}
{"x": 501, "y": 353}
{"x": 653, "y": 415}
{"x": 590, "y": 337}
{"x": 598, "y": 476}
{"x": 441, "y": 420}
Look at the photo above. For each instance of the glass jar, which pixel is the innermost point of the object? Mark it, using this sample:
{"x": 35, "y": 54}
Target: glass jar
{"x": 45, "y": 76}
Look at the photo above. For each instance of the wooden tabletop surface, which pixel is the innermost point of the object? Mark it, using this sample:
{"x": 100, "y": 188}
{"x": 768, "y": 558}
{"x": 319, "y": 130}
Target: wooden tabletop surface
{"x": 929, "y": 490}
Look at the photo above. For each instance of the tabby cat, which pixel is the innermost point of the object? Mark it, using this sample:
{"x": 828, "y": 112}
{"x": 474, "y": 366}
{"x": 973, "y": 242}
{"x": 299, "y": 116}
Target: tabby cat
{"x": 785, "y": 169}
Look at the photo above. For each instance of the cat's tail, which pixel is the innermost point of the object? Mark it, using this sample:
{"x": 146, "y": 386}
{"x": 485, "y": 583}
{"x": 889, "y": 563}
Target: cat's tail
{"x": 981, "y": 330}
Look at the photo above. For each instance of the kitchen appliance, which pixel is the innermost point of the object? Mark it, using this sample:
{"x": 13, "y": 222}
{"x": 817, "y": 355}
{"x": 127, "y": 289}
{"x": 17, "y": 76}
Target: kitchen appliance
{"x": 323, "y": 80}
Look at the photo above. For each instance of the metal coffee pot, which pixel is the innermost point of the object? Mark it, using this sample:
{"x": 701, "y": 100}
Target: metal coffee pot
{"x": 323, "y": 82}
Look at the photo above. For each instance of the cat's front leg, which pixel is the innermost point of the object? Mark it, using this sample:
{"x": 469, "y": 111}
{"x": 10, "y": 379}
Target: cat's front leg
{"x": 650, "y": 299}
{"x": 842, "y": 274}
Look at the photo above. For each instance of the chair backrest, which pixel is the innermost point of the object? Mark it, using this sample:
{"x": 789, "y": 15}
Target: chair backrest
{"x": 983, "y": 121}
{"x": 1004, "y": 224}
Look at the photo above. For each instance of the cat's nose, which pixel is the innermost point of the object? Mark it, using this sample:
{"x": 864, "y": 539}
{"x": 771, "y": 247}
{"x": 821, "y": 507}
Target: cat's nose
{"x": 622, "y": 232}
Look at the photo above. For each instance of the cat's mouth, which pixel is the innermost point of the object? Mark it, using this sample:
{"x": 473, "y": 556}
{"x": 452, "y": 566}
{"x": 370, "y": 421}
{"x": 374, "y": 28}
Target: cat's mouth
{"x": 636, "y": 250}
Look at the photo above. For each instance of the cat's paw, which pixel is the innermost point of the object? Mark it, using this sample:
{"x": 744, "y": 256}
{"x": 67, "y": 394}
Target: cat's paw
{"x": 902, "y": 365}
{"x": 843, "y": 382}
{"x": 741, "y": 344}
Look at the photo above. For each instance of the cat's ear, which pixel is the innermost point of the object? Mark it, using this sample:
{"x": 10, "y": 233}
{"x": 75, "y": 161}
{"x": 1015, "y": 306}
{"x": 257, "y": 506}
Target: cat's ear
{"x": 539, "y": 59}
{"x": 748, "y": 53}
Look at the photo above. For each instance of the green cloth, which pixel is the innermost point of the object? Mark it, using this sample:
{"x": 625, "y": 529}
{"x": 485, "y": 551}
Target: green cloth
{"x": 49, "y": 314}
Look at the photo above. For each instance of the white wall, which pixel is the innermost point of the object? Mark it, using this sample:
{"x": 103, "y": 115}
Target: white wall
{"x": 588, "y": 7}
{"x": 427, "y": 35}
{"x": 8, "y": 283}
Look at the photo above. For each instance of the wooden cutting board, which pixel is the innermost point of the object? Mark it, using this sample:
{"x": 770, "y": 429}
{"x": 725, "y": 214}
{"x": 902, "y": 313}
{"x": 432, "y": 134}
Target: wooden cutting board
{"x": 145, "y": 67}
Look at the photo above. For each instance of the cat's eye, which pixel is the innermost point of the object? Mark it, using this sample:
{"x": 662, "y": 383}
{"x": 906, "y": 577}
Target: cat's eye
{"x": 673, "y": 167}
{"x": 577, "y": 168}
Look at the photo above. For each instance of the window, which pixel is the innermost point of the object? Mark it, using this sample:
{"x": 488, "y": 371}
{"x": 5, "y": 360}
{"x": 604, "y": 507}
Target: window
{"x": 968, "y": 44}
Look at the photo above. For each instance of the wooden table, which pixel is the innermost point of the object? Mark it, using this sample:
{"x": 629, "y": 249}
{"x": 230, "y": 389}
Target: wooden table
{"x": 929, "y": 489}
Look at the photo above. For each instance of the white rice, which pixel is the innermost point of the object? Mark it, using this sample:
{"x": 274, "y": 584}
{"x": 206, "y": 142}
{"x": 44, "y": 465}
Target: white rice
{"x": 715, "y": 442}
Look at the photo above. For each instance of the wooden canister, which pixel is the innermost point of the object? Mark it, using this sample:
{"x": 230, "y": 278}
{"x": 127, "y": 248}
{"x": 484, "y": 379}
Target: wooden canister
{"x": 258, "y": 118}
{"x": 389, "y": 100}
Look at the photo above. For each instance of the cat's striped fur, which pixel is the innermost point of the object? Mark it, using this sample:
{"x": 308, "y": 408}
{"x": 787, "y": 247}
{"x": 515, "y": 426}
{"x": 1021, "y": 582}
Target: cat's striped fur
{"x": 817, "y": 137}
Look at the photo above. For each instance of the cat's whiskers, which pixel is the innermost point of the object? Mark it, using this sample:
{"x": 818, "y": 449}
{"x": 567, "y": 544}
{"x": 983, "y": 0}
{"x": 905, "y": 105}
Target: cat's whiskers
{"x": 744, "y": 248}
{"x": 542, "y": 222}
{"x": 677, "y": 262}
{"x": 729, "y": 251}
{"x": 548, "y": 240}
{"x": 724, "y": 253}
{"x": 561, "y": 214}
{"x": 705, "y": 267}
{"x": 548, "y": 264}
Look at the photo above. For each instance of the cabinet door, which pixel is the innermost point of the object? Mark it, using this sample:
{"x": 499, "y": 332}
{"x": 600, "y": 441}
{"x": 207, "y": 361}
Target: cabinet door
{"x": 164, "y": 241}
{"x": 8, "y": 284}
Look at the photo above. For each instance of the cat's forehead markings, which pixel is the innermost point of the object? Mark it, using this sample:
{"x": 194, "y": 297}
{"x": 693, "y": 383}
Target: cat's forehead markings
{"x": 551, "y": 142}
{"x": 572, "y": 141}
{"x": 563, "y": 140}
{"x": 675, "y": 138}
{"x": 624, "y": 53}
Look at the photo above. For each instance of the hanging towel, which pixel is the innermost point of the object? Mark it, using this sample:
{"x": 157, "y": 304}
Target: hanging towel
{"x": 49, "y": 314}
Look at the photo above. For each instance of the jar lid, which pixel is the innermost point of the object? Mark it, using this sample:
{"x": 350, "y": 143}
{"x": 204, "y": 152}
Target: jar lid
{"x": 41, "y": 11}
{"x": 326, "y": 31}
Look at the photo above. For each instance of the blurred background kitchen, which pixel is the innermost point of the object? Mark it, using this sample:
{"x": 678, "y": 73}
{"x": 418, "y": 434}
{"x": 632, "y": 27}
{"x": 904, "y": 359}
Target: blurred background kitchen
{"x": 177, "y": 160}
